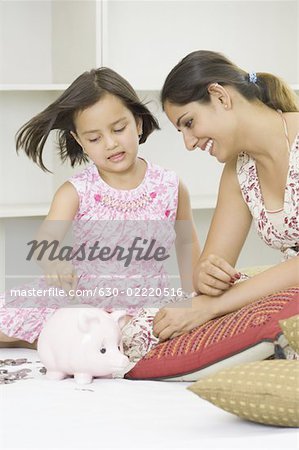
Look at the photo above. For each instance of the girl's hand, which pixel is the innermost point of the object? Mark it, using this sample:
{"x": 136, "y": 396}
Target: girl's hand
{"x": 213, "y": 276}
{"x": 61, "y": 274}
{"x": 182, "y": 317}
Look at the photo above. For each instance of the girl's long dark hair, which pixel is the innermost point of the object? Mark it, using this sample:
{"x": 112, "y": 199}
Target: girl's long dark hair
{"x": 85, "y": 91}
{"x": 188, "y": 81}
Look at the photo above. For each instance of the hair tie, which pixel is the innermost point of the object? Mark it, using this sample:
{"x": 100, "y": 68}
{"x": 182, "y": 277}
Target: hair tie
{"x": 252, "y": 78}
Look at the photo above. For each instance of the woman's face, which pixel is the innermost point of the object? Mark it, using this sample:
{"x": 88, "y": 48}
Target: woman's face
{"x": 205, "y": 126}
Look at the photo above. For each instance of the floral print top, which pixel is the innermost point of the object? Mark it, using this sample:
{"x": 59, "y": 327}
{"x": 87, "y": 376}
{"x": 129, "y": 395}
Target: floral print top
{"x": 115, "y": 219}
{"x": 287, "y": 238}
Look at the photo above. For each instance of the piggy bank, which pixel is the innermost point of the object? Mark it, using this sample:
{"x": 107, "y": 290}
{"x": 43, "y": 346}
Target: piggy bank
{"x": 84, "y": 342}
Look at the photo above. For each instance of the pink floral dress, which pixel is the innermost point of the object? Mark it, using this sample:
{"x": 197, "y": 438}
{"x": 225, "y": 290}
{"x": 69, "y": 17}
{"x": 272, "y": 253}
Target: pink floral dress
{"x": 285, "y": 239}
{"x": 112, "y": 213}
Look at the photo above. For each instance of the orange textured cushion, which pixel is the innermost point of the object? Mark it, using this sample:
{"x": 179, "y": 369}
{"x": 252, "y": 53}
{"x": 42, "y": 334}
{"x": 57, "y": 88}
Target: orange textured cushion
{"x": 242, "y": 336}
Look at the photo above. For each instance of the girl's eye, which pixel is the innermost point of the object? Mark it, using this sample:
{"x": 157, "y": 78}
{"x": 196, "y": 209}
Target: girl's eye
{"x": 94, "y": 140}
{"x": 119, "y": 130}
{"x": 188, "y": 123}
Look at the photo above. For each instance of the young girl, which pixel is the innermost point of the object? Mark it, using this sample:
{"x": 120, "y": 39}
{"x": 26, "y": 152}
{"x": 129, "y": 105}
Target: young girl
{"x": 250, "y": 122}
{"x": 101, "y": 119}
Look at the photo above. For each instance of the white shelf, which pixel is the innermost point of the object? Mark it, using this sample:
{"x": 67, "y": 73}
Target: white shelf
{"x": 29, "y": 210}
{"x": 203, "y": 201}
{"x": 33, "y": 87}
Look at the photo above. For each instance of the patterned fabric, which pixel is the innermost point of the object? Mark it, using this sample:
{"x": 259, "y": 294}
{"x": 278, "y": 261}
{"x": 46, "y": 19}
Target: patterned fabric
{"x": 220, "y": 338}
{"x": 290, "y": 328}
{"x": 148, "y": 211}
{"x": 264, "y": 392}
{"x": 287, "y": 241}
{"x": 137, "y": 336}
{"x": 154, "y": 200}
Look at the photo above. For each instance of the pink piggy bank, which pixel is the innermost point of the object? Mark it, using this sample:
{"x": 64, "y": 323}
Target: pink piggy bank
{"x": 82, "y": 341}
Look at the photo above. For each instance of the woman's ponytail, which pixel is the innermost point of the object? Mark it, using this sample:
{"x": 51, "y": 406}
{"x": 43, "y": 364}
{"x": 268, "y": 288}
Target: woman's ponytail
{"x": 275, "y": 93}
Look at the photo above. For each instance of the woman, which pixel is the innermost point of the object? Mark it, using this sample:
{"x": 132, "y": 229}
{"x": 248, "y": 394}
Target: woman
{"x": 250, "y": 122}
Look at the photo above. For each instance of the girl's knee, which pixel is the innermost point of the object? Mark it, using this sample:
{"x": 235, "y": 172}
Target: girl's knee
{"x": 4, "y": 338}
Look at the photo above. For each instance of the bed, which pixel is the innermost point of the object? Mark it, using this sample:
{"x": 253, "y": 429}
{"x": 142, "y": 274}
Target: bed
{"x": 120, "y": 414}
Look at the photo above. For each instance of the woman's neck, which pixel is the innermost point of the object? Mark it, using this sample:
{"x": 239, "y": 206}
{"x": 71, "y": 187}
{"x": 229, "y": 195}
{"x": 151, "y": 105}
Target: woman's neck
{"x": 262, "y": 134}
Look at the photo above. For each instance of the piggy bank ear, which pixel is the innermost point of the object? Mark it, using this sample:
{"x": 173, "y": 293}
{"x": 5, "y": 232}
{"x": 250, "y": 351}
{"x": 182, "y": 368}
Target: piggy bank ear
{"x": 86, "y": 319}
{"x": 120, "y": 317}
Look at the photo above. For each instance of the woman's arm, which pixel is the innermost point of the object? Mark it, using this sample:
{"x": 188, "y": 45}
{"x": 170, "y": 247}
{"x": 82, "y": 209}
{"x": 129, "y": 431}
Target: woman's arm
{"x": 187, "y": 245}
{"x": 228, "y": 231}
{"x": 227, "y": 234}
{"x": 274, "y": 279}
{"x": 178, "y": 319}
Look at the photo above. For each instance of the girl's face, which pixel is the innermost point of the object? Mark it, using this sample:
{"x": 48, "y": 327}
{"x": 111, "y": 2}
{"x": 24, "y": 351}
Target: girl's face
{"x": 108, "y": 133}
{"x": 206, "y": 126}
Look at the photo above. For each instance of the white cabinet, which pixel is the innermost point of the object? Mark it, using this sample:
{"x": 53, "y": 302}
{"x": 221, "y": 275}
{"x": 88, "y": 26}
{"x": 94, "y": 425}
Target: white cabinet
{"x": 46, "y": 44}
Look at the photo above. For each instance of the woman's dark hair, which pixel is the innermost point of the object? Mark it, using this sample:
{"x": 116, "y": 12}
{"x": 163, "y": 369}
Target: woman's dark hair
{"x": 188, "y": 81}
{"x": 85, "y": 91}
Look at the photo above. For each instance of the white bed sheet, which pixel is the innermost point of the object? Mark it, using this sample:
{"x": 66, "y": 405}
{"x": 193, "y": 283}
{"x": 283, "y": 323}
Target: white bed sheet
{"x": 121, "y": 414}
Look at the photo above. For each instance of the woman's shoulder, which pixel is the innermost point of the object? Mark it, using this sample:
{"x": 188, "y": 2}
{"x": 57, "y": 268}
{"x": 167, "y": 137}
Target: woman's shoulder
{"x": 292, "y": 121}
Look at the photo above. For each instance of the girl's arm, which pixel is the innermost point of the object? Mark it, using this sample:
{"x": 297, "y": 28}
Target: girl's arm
{"x": 54, "y": 228}
{"x": 187, "y": 245}
{"x": 62, "y": 211}
{"x": 64, "y": 204}
{"x": 228, "y": 231}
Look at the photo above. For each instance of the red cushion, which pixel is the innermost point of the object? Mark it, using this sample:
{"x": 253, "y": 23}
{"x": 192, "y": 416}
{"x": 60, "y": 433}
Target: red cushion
{"x": 219, "y": 338}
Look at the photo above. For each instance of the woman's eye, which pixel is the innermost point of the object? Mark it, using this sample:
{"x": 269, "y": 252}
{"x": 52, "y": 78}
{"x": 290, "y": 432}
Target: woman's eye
{"x": 188, "y": 123}
{"x": 94, "y": 140}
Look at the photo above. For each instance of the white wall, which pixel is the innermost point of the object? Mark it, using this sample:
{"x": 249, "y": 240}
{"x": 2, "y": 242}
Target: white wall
{"x": 255, "y": 34}
{"x": 25, "y": 28}
{"x": 255, "y": 251}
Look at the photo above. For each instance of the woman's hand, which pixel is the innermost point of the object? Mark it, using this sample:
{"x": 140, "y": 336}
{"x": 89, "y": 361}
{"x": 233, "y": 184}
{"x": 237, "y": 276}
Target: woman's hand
{"x": 213, "y": 276}
{"x": 182, "y": 317}
{"x": 61, "y": 274}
